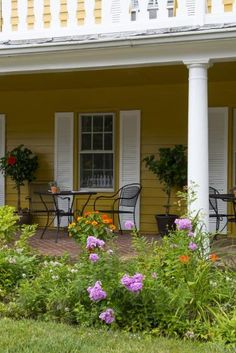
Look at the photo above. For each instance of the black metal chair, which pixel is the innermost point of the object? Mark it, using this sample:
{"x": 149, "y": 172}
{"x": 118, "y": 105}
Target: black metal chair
{"x": 213, "y": 205}
{"x": 124, "y": 201}
{"x": 44, "y": 206}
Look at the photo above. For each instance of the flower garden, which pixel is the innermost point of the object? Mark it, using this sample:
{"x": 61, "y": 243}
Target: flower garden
{"x": 169, "y": 289}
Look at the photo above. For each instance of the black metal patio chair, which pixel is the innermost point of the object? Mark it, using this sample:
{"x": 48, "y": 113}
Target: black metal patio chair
{"x": 213, "y": 206}
{"x": 44, "y": 206}
{"x": 124, "y": 201}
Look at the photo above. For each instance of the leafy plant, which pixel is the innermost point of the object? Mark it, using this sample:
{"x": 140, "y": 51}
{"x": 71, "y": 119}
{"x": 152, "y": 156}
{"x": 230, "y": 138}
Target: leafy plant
{"x": 20, "y": 165}
{"x": 92, "y": 223}
{"x": 170, "y": 168}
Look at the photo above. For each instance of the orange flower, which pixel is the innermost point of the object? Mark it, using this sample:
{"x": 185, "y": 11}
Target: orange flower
{"x": 213, "y": 257}
{"x": 87, "y": 213}
{"x": 184, "y": 259}
{"x": 94, "y": 223}
{"x": 107, "y": 220}
{"x": 112, "y": 227}
{"x": 104, "y": 216}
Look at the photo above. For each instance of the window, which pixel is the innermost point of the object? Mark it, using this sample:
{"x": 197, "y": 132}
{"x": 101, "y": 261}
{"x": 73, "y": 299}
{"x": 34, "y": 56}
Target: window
{"x": 97, "y": 151}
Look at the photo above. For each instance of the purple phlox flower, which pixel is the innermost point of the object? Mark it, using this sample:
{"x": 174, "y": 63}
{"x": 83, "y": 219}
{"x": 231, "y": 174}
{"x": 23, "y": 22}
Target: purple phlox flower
{"x": 183, "y": 224}
{"x": 93, "y": 257}
{"x": 129, "y": 225}
{"x": 154, "y": 275}
{"x": 93, "y": 242}
{"x": 96, "y": 293}
{"x": 133, "y": 283}
{"x": 107, "y": 316}
{"x": 192, "y": 246}
{"x": 190, "y": 234}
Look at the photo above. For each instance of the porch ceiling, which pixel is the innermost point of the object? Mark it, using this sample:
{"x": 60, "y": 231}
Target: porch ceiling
{"x": 157, "y": 75}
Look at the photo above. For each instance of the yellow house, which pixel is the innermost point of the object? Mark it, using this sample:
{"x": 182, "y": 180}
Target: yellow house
{"x": 103, "y": 83}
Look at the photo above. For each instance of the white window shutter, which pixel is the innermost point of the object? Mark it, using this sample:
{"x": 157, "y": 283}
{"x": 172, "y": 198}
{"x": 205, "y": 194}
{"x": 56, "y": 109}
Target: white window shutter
{"x": 218, "y": 156}
{"x": 63, "y": 155}
{"x": 130, "y": 153}
{"x": 2, "y": 153}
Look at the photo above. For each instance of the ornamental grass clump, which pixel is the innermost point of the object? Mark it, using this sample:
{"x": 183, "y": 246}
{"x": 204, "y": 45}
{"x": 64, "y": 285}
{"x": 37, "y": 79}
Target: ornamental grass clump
{"x": 92, "y": 224}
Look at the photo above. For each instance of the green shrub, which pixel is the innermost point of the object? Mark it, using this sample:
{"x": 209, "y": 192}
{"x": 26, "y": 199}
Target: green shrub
{"x": 173, "y": 289}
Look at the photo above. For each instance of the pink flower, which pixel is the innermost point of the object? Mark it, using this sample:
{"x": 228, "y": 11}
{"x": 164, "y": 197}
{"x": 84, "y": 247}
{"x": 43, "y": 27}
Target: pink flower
{"x": 96, "y": 293}
{"x": 183, "y": 224}
{"x": 192, "y": 246}
{"x": 107, "y": 316}
{"x": 93, "y": 242}
{"x": 133, "y": 283}
{"x": 93, "y": 257}
{"x": 129, "y": 225}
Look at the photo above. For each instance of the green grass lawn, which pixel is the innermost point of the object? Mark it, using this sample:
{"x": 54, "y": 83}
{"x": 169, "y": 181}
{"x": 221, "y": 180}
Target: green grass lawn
{"x": 38, "y": 337}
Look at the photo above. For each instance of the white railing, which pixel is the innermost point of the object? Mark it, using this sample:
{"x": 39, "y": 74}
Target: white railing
{"x": 74, "y": 17}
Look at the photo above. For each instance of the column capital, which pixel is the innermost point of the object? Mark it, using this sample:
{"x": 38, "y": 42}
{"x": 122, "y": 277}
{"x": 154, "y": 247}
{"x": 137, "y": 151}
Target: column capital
{"x": 201, "y": 63}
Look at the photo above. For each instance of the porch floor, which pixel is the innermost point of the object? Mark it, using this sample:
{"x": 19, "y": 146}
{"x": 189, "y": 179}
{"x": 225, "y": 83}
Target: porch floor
{"x": 224, "y": 245}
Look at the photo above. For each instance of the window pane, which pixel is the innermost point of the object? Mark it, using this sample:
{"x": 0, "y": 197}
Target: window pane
{"x": 97, "y": 141}
{"x": 108, "y": 161}
{"x": 98, "y": 123}
{"x": 86, "y": 161}
{"x": 86, "y": 123}
{"x": 108, "y": 126}
{"x": 86, "y": 143}
{"x": 98, "y": 161}
{"x": 108, "y": 142}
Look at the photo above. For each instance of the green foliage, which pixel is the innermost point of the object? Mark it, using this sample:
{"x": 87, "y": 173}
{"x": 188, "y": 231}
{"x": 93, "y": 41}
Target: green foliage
{"x": 184, "y": 293}
{"x": 20, "y": 165}
{"x": 8, "y": 226}
{"x": 170, "y": 168}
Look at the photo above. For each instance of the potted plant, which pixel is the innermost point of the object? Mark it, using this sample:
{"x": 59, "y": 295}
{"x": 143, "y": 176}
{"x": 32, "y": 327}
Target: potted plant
{"x": 171, "y": 170}
{"x": 53, "y": 187}
{"x": 20, "y": 165}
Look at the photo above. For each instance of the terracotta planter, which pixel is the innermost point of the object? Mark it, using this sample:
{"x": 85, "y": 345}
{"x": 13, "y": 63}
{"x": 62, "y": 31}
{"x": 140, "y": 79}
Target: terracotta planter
{"x": 165, "y": 223}
{"x": 54, "y": 189}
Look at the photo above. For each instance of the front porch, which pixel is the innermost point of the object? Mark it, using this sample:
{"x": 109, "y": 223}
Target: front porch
{"x": 160, "y": 94}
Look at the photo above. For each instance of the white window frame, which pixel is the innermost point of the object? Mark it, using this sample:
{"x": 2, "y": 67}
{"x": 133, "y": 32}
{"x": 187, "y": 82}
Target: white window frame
{"x": 97, "y": 151}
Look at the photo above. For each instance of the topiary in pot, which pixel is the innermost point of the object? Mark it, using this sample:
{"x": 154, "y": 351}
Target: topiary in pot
{"x": 20, "y": 165}
{"x": 170, "y": 169}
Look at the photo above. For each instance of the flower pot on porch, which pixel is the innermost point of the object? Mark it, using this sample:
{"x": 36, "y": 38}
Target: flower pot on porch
{"x": 165, "y": 223}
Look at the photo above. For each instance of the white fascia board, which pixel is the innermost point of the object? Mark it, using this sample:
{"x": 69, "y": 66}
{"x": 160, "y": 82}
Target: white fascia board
{"x": 69, "y": 56}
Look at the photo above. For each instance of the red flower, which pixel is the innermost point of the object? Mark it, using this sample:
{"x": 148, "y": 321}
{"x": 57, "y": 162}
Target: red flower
{"x": 11, "y": 160}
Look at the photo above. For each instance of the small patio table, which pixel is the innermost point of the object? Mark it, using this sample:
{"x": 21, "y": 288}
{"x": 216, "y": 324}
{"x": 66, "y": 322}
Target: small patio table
{"x": 59, "y": 212}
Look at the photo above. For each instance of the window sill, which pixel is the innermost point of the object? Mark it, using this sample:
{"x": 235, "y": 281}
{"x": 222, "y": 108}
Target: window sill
{"x": 97, "y": 189}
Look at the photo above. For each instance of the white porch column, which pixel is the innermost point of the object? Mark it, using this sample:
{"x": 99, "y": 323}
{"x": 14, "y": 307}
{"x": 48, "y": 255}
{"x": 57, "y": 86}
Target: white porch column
{"x": 198, "y": 164}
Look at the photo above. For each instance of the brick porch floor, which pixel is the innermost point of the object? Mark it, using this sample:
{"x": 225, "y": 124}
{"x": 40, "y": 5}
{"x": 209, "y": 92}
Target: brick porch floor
{"x": 47, "y": 246}
{"x": 65, "y": 244}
